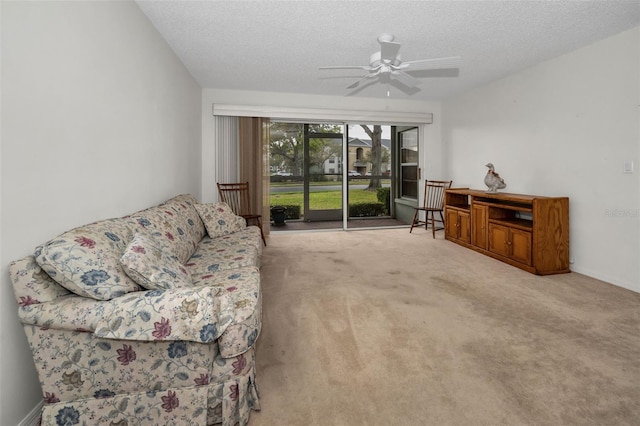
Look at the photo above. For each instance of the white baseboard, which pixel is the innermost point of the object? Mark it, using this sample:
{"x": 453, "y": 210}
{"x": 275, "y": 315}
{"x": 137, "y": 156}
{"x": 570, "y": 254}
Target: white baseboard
{"x": 33, "y": 418}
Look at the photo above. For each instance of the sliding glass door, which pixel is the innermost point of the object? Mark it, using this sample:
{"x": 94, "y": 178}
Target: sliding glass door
{"x": 306, "y": 165}
{"x": 370, "y": 173}
{"x": 335, "y": 175}
{"x": 323, "y": 172}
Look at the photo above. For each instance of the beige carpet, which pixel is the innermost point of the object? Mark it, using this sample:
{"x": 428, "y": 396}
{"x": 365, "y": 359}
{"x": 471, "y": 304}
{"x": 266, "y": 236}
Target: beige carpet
{"x": 384, "y": 327}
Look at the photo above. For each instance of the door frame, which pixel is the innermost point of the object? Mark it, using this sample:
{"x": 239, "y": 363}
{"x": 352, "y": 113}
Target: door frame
{"x": 311, "y": 215}
{"x": 405, "y": 206}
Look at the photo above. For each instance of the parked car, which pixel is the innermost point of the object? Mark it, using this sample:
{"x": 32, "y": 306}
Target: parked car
{"x": 284, "y": 174}
{"x": 354, "y": 173}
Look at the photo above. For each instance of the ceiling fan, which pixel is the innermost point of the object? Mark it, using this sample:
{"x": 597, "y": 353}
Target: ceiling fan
{"x": 386, "y": 65}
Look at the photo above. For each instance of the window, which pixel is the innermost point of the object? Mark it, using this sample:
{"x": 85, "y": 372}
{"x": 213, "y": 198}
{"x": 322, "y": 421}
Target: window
{"x": 408, "y": 144}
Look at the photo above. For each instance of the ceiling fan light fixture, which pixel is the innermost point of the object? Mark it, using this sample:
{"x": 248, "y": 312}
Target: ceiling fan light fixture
{"x": 375, "y": 60}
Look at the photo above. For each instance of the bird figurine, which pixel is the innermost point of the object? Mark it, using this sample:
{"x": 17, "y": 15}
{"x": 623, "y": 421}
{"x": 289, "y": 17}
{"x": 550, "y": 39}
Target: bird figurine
{"x": 493, "y": 179}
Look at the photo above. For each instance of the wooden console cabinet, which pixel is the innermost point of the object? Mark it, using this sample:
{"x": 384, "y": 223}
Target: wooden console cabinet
{"x": 527, "y": 231}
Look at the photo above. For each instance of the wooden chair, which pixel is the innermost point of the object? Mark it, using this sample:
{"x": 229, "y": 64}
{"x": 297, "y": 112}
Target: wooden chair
{"x": 433, "y": 202}
{"x": 236, "y": 195}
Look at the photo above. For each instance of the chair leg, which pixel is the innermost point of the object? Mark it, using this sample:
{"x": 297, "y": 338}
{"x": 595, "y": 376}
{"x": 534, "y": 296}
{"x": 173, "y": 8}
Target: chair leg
{"x": 413, "y": 222}
{"x": 433, "y": 224}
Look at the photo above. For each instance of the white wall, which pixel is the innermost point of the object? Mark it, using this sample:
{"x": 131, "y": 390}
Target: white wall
{"x": 564, "y": 128}
{"x": 99, "y": 119}
{"x": 431, "y": 133}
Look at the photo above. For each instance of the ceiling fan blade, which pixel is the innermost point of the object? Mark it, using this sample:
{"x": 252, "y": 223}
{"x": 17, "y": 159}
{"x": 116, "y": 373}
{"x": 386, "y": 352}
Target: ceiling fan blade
{"x": 431, "y": 64}
{"x": 356, "y": 84}
{"x": 405, "y": 78}
{"x": 389, "y": 51}
{"x": 366, "y": 77}
{"x": 348, "y": 67}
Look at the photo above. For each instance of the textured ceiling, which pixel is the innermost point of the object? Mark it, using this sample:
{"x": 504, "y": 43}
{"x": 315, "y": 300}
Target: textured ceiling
{"x": 278, "y": 46}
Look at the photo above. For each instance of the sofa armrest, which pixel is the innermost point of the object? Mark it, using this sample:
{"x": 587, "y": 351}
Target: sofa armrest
{"x": 198, "y": 314}
{"x": 70, "y": 312}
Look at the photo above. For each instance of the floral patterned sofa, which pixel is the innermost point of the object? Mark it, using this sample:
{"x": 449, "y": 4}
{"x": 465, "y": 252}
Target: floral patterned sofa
{"x": 146, "y": 319}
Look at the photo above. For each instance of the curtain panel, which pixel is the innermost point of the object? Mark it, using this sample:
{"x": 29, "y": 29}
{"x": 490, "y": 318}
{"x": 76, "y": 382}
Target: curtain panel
{"x": 253, "y": 149}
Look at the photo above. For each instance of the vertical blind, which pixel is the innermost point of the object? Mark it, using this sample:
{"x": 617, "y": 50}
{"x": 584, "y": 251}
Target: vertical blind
{"x": 226, "y": 149}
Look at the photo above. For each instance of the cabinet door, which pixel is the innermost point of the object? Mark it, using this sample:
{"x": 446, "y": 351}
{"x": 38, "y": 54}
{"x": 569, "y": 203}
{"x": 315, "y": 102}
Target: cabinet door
{"x": 509, "y": 242}
{"x": 499, "y": 239}
{"x": 464, "y": 230}
{"x": 451, "y": 224}
{"x": 521, "y": 246}
{"x": 479, "y": 226}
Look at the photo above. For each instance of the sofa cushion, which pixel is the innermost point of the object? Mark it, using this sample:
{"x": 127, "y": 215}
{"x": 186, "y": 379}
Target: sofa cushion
{"x": 188, "y": 218}
{"x": 152, "y": 268}
{"x": 219, "y": 219}
{"x": 157, "y": 222}
{"x": 86, "y": 260}
{"x": 212, "y": 257}
{"x": 249, "y": 236}
{"x": 175, "y": 225}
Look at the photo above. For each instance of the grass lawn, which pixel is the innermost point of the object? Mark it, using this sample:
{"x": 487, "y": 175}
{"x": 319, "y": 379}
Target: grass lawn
{"x": 323, "y": 200}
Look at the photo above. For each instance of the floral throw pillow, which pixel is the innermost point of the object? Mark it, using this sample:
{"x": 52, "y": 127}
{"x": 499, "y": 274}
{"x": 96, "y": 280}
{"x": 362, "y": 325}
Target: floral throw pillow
{"x": 152, "y": 268}
{"x": 219, "y": 219}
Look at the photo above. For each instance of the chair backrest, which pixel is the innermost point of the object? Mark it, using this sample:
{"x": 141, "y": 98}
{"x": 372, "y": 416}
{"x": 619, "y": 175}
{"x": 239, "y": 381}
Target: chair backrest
{"x": 236, "y": 195}
{"x": 434, "y": 193}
